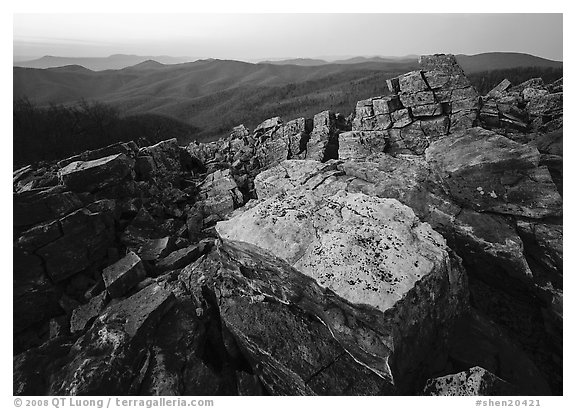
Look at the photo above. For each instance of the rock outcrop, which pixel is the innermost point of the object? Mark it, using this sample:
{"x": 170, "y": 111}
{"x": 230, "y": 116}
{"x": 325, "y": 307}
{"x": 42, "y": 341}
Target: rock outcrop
{"x": 424, "y": 106}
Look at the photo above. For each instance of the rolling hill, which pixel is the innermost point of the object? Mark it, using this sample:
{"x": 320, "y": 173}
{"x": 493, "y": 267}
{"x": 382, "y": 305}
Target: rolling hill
{"x": 212, "y": 95}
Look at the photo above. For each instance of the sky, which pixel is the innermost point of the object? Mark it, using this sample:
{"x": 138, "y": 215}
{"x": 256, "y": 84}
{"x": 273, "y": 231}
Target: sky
{"x": 253, "y": 37}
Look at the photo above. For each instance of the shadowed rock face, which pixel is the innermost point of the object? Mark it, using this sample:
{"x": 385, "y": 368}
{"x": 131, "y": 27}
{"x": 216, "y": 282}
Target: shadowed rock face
{"x": 253, "y": 276}
{"x": 402, "y": 249}
{"x": 489, "y": 172}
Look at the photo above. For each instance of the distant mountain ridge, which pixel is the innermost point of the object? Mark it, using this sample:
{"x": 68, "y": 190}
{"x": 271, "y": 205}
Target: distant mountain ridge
{"x": 113, "y": 62}
{"x": 500, "y": 60}
{"x": 470, "y": 63}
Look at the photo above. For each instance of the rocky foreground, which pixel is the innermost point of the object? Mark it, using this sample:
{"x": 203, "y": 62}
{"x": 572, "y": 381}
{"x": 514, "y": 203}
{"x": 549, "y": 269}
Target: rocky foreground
{"x": 412, "y": 248}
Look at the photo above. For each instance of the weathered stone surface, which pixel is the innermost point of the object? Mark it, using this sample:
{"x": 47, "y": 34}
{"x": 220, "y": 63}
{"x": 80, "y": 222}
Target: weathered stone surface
{"x": 273, "y": 150}
{"x": 141, "y": 229}
{"x": 39, "y": 205}
{"x": 489, "y": 243}
{"x": 166, "y": 159}
{"x": 417, "y": 98}
{"x": 533, "y": 93}
{"x": 412, "y": 82}
{"x": 386, "y": 105}
{"x": 294, "y": 350}
{"x": 85, "y": 237}
{"x": 281, "y": 142}
{"x": 463, "y": 120}
{"x": 360, "y": 247}
{"x": 154, "y": 249}
{"x": 543, "y": 244}
{"x": 546, "y": 105}
{"x": 401, "y": 118}
{"x": 412, "y": 139}
{"x": 186, "y": 349}
{"x": 474, "y": 382}
{"x": 39, "y": 236}
{"x": 249, "y": 385}
{"x": 432, "y": 109}
{"x": 144, "y": 167}
{"x": 343, "y": 242}
{"x": 35, "y": 298}
{"x": 219, "y": 193}
{"x": 452, "y": 77}
{"x": 292, "y": 174}
{"x": 83, "y": 315}
{"x": 183, "y": 257}
{"x": 32, "y": 368}
{"x": 499, "y": 89}
{"x": 123, "y": 275}
{"x": 323, "y": 142}
{"x": 239, "y": 132}
{"x": 434, "y": 128}
{"x": 357, "y": 145}
{"x": 556, "y": 86}
{"x": 110, "y": 356}
{"x": 129, "y": 149}
{"x": 268, "y": 124}
{"x": 488, "y": 172}
{"x": 442, "y": 62}
{"x": 88, "y": 176}
{"x": 247, "y": 271}
{"x": 466, "y": 105}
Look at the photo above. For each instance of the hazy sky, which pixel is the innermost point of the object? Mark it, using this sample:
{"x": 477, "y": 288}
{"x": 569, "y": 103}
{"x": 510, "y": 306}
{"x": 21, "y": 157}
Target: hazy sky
{"x": 260, "y": 36}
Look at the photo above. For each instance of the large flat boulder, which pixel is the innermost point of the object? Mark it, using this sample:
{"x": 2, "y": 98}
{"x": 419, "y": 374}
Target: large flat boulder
{"x": 369, "y": 251}
{"x": 359, "y": 246}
